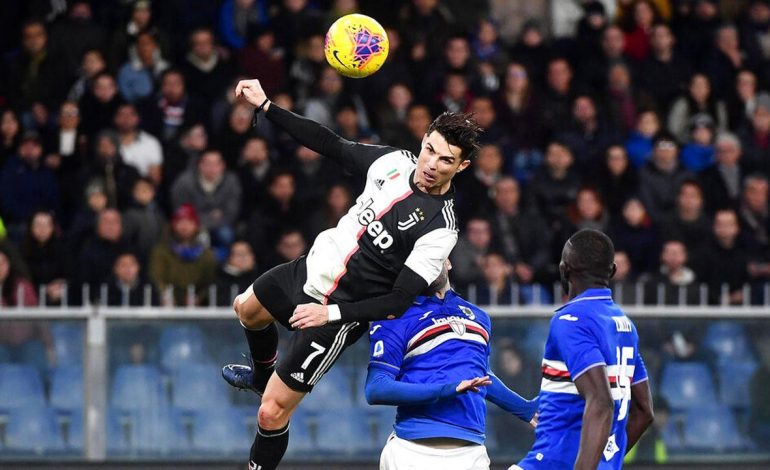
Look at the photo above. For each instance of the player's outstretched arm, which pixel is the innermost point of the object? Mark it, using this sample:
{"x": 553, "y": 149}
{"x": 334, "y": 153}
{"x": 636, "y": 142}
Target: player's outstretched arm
{"x": 641, "y": 414}
{"x": 510, "y": 401}
{"x": 354, "y": 156}
{"x": 382, "y": 388}
{"x": 594, "y": 387}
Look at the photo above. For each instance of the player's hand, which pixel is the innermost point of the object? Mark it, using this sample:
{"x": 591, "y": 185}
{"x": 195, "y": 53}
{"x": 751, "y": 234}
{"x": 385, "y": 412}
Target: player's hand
{"x": 473, "y": 385}
{"x": 251, "y": 91}
{"x": 309, "y": 316}
{"x": 535, "y": 419}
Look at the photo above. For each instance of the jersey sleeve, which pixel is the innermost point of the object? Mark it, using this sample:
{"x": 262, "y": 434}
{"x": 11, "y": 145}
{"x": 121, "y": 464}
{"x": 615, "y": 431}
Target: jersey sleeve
{"x": 353, "y": 156}
{"x": 430, "y": 251}
{"x": 576, "y": 343}
{"x": 640, "y": 370}
{"x": 386, "y": 346}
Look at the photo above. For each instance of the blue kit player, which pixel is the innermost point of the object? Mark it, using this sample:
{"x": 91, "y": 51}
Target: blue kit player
{"x": 426, "y": 363}
{"x": 594, "y": 398}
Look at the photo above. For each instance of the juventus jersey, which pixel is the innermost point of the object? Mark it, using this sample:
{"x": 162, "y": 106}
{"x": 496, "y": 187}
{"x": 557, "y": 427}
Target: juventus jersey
{"x": 393, "y": 224}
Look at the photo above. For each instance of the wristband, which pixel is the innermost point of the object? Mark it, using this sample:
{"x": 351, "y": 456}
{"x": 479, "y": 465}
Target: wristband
{"x": 255, "y": 117}
{"x": 334, "y": 313}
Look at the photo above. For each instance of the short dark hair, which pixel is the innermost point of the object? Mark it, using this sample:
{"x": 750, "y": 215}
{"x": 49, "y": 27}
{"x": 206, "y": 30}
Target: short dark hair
{"x": 591, "y": 252}
{"x": 460, "y": 130}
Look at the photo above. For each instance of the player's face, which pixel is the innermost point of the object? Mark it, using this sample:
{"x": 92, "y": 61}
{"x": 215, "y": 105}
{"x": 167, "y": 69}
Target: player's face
{"x": 437, "y": 164}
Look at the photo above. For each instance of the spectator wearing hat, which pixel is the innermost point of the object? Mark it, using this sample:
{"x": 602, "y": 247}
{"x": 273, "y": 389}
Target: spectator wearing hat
{"x": 182, "y": 262}
{"x": 721, "y": 181}
{"x": 215, "y": 194}
{"x": 26, "y": 185}
{"x": 698, "y": 153}
{"x": 660, "y": 178}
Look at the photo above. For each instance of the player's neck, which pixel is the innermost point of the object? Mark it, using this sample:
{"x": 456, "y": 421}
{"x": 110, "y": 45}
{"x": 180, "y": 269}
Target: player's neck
{"x": 579, "y": 286}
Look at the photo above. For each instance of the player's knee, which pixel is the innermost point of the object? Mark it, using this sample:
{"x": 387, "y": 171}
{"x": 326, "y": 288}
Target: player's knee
{"x": 272, "y": 415}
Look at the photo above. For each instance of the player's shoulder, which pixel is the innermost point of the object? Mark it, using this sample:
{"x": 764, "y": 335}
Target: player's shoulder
{"x": 393, "y": 158}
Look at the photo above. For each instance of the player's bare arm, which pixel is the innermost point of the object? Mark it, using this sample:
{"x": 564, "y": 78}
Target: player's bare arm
{"x": 594, "y": 387}
{"x": 641, "y": 414}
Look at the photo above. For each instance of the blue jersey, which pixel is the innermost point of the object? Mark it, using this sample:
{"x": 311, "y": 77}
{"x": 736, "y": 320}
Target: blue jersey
{"x": 587, "y": 332}
{"x": 437, "y": 341}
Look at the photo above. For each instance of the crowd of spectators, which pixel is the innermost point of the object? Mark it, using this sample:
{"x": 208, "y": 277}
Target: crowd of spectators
{"x": 125, "y": 160}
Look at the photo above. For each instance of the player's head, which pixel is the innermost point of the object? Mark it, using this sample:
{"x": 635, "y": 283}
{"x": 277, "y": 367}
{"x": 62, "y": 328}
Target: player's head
{"x": 447, "y": 148}
{"x": 588, "y": 259}
{"x": 441, "y": 284}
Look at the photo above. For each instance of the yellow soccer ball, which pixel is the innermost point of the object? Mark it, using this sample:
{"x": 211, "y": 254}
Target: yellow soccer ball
{"x": 356, "y": 45}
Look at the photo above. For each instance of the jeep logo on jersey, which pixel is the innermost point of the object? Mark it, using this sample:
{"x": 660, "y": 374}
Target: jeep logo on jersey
{"x": 374, "y": 228}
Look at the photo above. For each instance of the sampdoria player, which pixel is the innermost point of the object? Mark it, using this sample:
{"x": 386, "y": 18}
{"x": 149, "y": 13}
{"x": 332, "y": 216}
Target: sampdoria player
{"x": 384, "y": 252}
{"x": 421, "y": 363}
{"x": 594, "y": 398}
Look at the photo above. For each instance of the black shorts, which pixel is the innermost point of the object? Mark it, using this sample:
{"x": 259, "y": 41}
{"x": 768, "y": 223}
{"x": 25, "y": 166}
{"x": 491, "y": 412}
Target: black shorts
{"x": 312, "y": 351}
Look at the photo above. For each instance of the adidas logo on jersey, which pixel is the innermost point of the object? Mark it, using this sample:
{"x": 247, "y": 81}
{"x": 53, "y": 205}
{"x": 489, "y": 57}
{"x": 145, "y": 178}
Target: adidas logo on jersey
{"x": 379, "y": 182}
{"x": 254, "y": 466}
{"x": 298, "y": 376}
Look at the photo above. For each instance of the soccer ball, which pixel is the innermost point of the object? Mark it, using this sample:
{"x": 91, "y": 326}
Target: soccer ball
{"x": 356, "y": 45}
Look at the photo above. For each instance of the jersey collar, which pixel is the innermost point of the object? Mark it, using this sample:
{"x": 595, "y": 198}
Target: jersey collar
{"x": 601, "y": 293}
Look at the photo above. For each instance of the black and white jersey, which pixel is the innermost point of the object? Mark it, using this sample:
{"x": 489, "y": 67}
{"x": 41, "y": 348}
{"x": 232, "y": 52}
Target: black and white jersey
{"x": 392, "y": 224}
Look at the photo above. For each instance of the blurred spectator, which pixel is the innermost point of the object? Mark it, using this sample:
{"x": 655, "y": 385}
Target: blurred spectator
{"x": 456, "y": 62}
{"x": 165, "y": 114}
{"x": 237, "y": 132}
{"x": 26, "y": 185}
{"x": 623, "y": 282}
{"x": 392, "y": 114}
{"x": 143, "y": 221}
{"x": 237, "y": 273}
{"x": 67, "y": 147}
{"x": 278, "y": 213}
{"x": 305, "y": 71}
{"x": 742, "y": 99}
{"x": 75, "y": 34}
{"x": 487, "y": 46}
{"x": 254, "y": 167}
{"x": 91, "y": 65}
{"x": 754, "y": 34}
{"x": 182, "y": 263}
{"x": 476, "y": 186}
{"x": 99, "y": 104}
{"x": 313, "y": 174}
{"x": 518, "y": 111}
{"x": 726, "y": 60}
{"x": 590, "y": 30}
{"x": 532, "y": 51}
{"x": 557, "y": 99}
{"x": 639, "y": 22}
{"x": 44, "y": 252}
{"x": 296, "y": 19}
{"x": 418, "y": 119}
{"x": 237, "y": 18}
{"x": 336, "y": 204}
{"x": 588, "y": 211}
{"x": 723, "y": 260}
{"x": 660, "y": 178}
{"x": 206, "y": 71}
{"x": 126, "y": 286}
{"x": 349, "y": 126}
{"x": 22, "y": 342}
{"x": 754, "y": 215}
{"x": 84, "y": 220}
{"x": 698, "y": 153}
{"x": 183, "y": 154}
{"x": 513, "y": 15}
{"x": 689, "y": 223}
{"x": 468, "y": 256}
{"x": 138, "y": 148}
{"x": 108, "y": 169}
{"x": 454, "y": 96}
{"x": 261, "y": 58}
{"x": 722, "y": 181}
{"x": 755, "y": 138}
{"x": 34, "y": 74}
{"x": 96, "y": 258}
{"x": 426, "y": 24}
{"x": 588, "y": 135}
{"x": 616, "y": 179}
{"x": 496, "y": 289}
{"x": 123, "y": 45}
{"x": 330, "y": 94}
{"x": 699, "y": 99}
{"x": 555, "y": 185}
{"x": 137, "y": 77}
{"x": 623, "y": 100}
{"x": 665, "y": 73}
{"x": 291, "y": 245}
{"x": 214, "y": 193}
{"x": 10, "y": 135}
{"x": 593, "y": 71}
{"x": 696, "y": 31}
{"x": 639, "y": 141}
{"x": 520, "y": 234}
{"x": 674, "y": 282}
{"x": 635, "y": 235}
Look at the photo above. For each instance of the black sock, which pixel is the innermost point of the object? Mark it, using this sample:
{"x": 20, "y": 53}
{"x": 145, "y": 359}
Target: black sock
{"x": 268, "y": 448}
{"x": 263, "y": 345}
